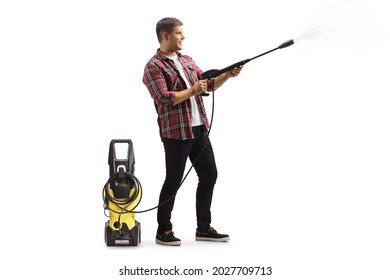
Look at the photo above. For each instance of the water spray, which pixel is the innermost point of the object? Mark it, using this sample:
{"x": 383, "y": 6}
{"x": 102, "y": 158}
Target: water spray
{"x": 347, "y": 23}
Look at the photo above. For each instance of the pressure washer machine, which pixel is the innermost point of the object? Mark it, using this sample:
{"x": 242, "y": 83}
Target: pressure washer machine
{"x": 121, "y": 195}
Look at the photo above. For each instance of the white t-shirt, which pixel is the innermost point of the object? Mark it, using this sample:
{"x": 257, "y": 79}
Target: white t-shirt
{"x": 195, "y": 115}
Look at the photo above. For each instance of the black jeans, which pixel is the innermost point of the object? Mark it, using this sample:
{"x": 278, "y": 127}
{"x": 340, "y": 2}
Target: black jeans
{"x": 176, "y": 155}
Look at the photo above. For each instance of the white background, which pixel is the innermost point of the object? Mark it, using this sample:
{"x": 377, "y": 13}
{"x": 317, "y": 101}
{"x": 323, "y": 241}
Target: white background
{"x": 301, "y": 137}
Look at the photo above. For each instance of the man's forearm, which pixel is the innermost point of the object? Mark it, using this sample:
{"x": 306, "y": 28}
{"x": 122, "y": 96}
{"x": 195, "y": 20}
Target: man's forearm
{"x": 180, "y": 96}
{"x": 220, "y": 80}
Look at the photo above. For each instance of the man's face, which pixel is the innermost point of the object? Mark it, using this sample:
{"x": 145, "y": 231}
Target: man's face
{"x": 175, "y": 39}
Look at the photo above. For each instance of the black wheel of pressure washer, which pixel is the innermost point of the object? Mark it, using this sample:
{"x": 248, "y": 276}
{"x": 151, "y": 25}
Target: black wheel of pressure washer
{"x": 139, "y": 233}
{"x": 108, "y": 236}
{"x": 135, "y": 235}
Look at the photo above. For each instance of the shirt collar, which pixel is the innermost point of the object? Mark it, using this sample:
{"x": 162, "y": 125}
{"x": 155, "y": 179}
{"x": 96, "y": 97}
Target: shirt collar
{"x": 163, "y": 56}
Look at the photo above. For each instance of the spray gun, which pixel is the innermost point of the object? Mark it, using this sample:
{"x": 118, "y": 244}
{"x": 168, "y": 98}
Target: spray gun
{"x": 213, "y": 73}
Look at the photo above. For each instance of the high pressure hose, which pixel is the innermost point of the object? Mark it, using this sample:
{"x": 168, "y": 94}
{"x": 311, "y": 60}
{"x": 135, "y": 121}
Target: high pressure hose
{"x": 193, "y": 163}
{"x": 123, "y": 203}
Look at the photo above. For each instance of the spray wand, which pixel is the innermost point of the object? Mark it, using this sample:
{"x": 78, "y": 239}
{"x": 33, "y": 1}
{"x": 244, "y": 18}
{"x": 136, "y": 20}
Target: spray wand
{"x": 213, "y": 73}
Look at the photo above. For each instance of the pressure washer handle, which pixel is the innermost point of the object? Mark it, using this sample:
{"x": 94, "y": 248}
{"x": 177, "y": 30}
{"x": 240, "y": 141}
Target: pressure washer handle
{"x": 204, "y": 76}
{"x": 211, "y": 74}
{"x": 231, "y": 67}
{"x": 128, "y": 162}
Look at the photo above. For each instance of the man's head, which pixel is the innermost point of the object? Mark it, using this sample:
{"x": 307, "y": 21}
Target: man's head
{"x": 170, "y": 33}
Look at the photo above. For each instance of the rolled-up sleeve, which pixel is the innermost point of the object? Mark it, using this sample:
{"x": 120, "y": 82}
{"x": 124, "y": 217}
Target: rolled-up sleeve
{"x": 155, "y": 82}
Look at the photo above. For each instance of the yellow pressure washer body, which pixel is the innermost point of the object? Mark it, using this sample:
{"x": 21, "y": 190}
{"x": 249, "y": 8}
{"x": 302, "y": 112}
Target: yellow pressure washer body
{"x": 121, "y": 195}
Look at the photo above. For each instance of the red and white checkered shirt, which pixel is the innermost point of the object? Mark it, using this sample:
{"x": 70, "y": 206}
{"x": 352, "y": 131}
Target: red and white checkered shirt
{"x": 162, "y": 79}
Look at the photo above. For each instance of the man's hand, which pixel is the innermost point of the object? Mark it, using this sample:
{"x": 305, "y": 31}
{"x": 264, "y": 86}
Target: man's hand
{"x": 200, "y": 87}
{"x": 235, "y": 72}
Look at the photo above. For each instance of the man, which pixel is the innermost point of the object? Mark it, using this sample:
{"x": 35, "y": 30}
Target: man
{"x": 172, "y": 80}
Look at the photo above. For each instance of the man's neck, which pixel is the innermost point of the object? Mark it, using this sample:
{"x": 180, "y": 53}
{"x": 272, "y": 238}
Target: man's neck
{"x": 167, "y": 52}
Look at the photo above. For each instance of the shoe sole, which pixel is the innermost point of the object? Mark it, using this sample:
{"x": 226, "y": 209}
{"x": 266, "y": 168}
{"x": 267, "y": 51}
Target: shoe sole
{"x": 223, "y": 239}
{"x": 172, "y": 243}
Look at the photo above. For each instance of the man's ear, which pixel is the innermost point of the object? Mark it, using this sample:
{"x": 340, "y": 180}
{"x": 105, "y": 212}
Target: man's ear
{"x": 165, "y": 36}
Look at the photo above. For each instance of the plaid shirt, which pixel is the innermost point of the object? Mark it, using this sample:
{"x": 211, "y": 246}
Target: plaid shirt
{"x": 162, "y": 79}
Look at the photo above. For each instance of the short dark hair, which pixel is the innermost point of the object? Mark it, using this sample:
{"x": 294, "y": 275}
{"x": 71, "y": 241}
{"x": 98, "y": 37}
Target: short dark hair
{"x": 166, "y": 25}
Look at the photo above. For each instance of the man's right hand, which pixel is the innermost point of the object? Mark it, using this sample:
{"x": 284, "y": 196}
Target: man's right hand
{"x": 200, "y": 87}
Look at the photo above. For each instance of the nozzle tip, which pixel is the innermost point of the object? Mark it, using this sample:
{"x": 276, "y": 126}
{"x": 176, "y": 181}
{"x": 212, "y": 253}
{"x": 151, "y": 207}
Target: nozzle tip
{"x": 286, "y": 44}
